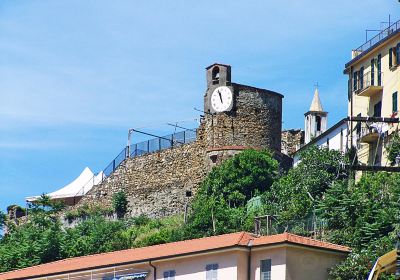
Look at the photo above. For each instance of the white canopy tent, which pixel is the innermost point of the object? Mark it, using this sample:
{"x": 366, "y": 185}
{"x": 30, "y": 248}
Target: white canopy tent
{"x": 72, "y": 192}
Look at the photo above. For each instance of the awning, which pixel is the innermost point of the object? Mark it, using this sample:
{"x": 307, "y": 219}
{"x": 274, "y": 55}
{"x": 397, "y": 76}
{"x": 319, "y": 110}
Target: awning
{"x": 141, "y": 275}
{"x": 77, "y": 188}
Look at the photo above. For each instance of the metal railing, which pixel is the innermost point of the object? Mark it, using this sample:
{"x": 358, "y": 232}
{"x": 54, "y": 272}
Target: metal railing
{"x": 379, "y": 37}
{"x": 362, "y": 82}
{"x": 144, "y": 148}
{"x": 162, "y": 143}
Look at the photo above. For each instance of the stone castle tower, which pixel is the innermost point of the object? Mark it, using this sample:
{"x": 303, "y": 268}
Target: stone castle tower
{"x": 236, "y": 117}
{"x": 239, "y": 116}
{"x": 316, "y": 119}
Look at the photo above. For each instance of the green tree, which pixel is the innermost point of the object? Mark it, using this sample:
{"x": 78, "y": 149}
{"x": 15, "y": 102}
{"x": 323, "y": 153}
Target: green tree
{"x": 35, "y": 242}
{"x": 361, "y": 213}
{"x": 364, "y": 216}
{"x": 393, "y": 149}
{"x": 294, "y": 195}
{"x": 2, "y": 220}
{"x": 94, "y": 235}
{"x": 120, "y": 203}
{"x": 220, "y": 204}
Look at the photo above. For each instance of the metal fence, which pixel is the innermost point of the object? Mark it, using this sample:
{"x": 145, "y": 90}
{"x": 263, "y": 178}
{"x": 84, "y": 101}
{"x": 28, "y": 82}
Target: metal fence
{"x": 311, "y": 226}
{"x": 162, "y": 143}
{"x": 151, "y": 146}
{"x": 144, "y": 148}
{"x": 376, "y": 39}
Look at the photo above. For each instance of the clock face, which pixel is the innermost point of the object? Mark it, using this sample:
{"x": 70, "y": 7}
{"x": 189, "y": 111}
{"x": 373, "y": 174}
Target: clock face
{"x": 221, "y": 99}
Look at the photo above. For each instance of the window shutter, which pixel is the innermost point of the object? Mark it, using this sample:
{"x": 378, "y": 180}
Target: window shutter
{"x": 355, "y": 75}
{"x": 379, "y": 69}
{"x": 390, "y": 58}
{"x": 362, "y": 77}
{"x": 398, "y": 54}
{"x": 394, "y": 102}
{"x": 372, "y": 72}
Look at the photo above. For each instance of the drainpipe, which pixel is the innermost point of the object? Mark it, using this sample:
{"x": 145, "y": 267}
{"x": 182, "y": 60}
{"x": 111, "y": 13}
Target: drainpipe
{"x": 154, "y": 270}
{"x": 250, "y": 244}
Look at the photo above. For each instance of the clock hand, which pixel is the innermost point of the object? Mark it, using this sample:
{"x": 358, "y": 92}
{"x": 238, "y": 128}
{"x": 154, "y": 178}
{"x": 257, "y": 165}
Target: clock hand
{"x": 220, "y": 97}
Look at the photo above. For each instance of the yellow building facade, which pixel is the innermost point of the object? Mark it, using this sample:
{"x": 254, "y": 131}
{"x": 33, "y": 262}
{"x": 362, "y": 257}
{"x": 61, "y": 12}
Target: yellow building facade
{"x": 373, "y": 91}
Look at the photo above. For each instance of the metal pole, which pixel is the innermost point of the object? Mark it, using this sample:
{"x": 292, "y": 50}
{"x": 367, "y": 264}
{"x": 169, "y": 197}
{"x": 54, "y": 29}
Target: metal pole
{"x": 174, "y": 125}
{"x": 129, "y": 143}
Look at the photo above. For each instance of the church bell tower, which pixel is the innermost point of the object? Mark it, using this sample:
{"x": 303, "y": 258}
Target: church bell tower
{"x": 316, "y": 119}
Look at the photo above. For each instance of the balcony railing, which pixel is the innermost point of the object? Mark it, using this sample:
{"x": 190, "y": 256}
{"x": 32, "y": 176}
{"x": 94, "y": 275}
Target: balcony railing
{"x": 377, "y": 39}
{"x": 369, "y": 133}
{"x": 367, "y": 84}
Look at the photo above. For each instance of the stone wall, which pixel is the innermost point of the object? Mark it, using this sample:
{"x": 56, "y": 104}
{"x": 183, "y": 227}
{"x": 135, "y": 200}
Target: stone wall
{"x": 255, "y": 120}
{"x": 156, "y": 183}
{"x": 292, "y": 140}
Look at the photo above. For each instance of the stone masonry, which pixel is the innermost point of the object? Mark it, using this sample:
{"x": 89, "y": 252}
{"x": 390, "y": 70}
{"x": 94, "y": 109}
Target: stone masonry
{"x": 156, "y": 183}
{"x": 292, "y": 140}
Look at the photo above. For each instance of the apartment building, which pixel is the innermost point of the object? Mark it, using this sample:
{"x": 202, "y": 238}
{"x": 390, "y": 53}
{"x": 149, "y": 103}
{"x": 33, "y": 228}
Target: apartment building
{"x": 373, "y": 89}
{"x": 235, "y": 256}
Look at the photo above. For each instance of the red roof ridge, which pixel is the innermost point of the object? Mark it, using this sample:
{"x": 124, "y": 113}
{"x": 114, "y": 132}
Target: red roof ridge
{"x": 168, "y": 250}
{"x": 241, "y": 234}
{"x": 323, "y": 243}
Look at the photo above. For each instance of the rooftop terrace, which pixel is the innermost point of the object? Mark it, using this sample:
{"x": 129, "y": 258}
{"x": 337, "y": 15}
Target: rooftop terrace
{"x": 375, "y": 41}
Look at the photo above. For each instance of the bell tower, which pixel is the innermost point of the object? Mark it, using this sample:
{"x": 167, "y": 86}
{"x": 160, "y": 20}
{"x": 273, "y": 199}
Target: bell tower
{"x": 238, "y": 116}
{"x": 217, "y": 75}
{"x": 316, "y": 119}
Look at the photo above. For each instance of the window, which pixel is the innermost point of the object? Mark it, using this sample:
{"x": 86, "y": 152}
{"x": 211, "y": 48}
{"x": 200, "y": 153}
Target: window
{"x": 372, "y": 72}
{"x": 398, "y": 54}
{"x": 355, "y": 75}
{"x": 377, "y": 109}
{"x": 318, "y": 121}
{"x": 394, "y": 102}
{"x": 212, "y": 271}
{"x": 394, "y": 56}
{"x": 215, "y": 73}
{"x": 169, "y": 275}
{"x": 361, "y": 77}
{"x": 358, "y": 126}
{"x": 379, "y": 68}
{"x": 265, "y": 270}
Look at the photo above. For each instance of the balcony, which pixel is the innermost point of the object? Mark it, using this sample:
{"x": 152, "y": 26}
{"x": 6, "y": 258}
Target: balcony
{"x": 368, "y": 133}
{"x": 376, "y": 40}
{"x": 365, "y": 86}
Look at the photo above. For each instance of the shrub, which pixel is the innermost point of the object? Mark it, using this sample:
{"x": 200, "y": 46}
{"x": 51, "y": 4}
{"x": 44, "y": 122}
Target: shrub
{"x": 120, "y": 203}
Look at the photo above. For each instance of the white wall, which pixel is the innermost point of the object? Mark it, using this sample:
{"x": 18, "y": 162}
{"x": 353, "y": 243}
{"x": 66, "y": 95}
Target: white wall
{"x": 337, "y": 141}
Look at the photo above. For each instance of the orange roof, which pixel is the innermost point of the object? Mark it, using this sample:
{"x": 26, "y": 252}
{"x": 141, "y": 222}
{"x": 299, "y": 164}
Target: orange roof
{"x": 164, "y": 251}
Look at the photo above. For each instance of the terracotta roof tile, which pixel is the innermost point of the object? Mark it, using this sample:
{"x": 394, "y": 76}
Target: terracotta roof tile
{"x": 164, "y": 251}
{"x": 300, "y": 240}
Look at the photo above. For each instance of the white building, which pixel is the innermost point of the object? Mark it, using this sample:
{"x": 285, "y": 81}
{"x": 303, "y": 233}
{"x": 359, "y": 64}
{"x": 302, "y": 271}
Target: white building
{"x": 316, "y": 119}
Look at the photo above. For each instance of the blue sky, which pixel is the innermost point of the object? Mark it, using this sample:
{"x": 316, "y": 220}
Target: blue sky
{"x": 75, "y": 75}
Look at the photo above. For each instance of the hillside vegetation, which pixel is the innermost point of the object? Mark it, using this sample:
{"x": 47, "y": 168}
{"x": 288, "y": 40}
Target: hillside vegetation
{"x": 317, "y": 192}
